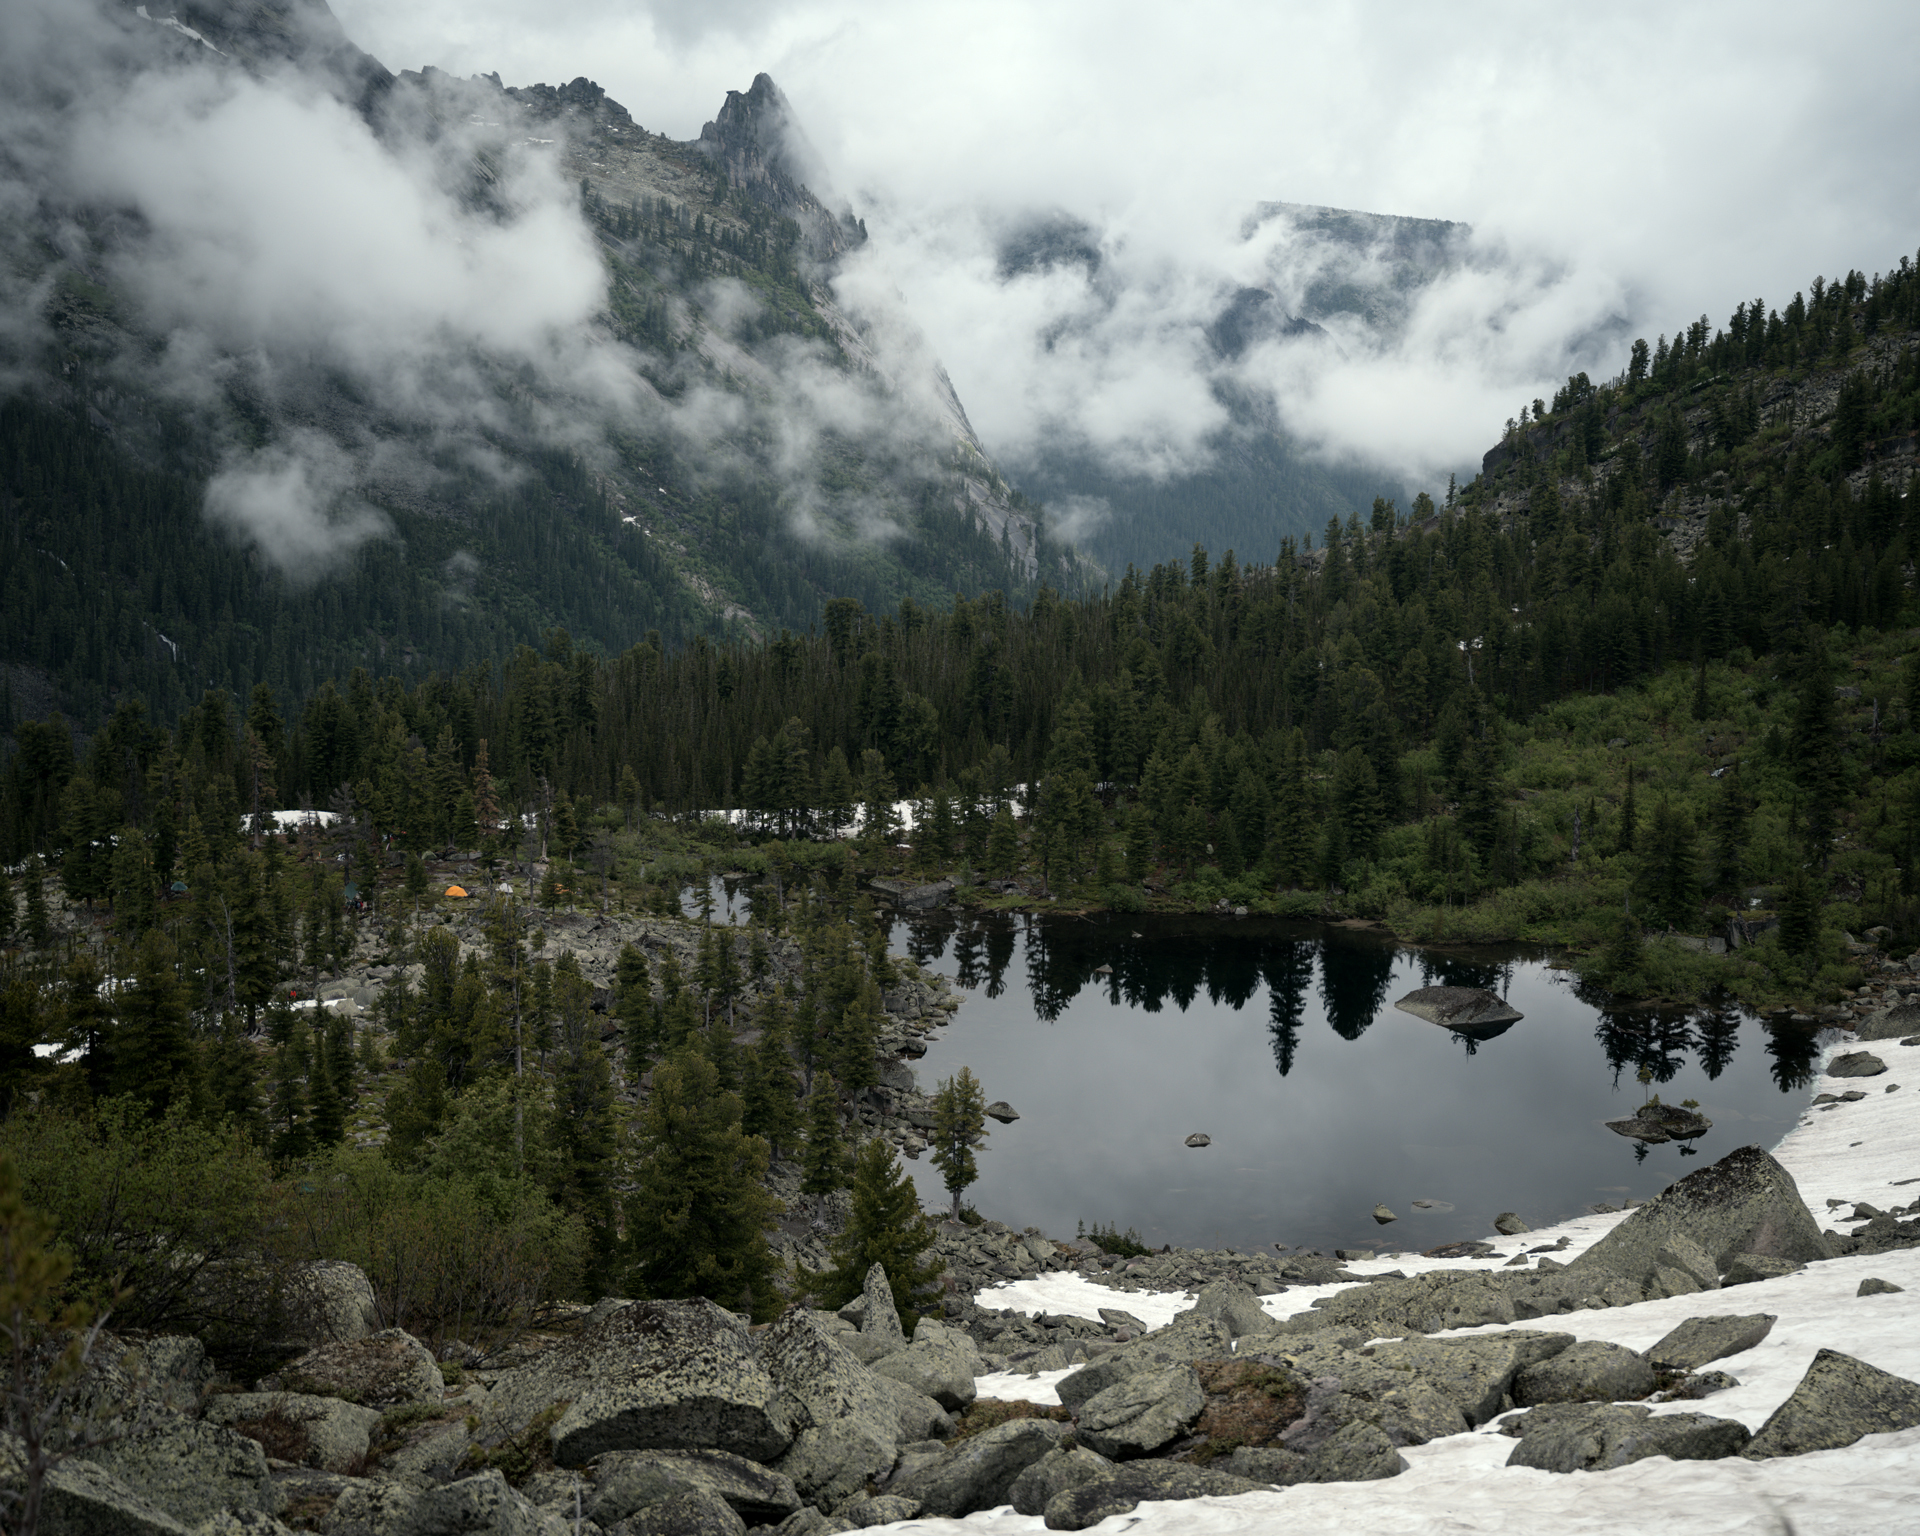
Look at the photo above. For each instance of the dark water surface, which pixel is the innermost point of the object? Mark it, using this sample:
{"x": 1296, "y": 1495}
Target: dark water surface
{"x": 1281, "y": 1042}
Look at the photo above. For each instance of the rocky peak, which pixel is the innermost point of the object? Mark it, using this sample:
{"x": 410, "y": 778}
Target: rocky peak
{"x": 757, "y": 140}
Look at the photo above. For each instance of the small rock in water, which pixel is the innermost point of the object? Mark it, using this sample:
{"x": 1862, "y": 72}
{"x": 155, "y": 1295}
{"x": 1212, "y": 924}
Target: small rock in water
{"x": 1382, "y": 1215}
{"x": 1199, "y": 1139}
{"x": 1662, "y": 1122}
{"x": 1507, "y": 1224}
{"x": 1002, "y": 1111}
{"x": 1466, "y": 1009}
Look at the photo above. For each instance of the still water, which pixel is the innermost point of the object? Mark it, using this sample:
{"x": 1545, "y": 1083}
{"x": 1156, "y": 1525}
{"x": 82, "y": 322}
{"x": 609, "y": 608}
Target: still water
{"x": 1280, "y": 1041}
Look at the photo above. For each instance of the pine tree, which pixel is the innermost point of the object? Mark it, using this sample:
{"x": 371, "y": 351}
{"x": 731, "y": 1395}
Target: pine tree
{"x": 959, "y": 1126}
{"x": 154, "y": 1052}
{"x": 697, "y": 1219}
{"x": 1139, "y": 843}
{"x": 824, "y": 1165}
{"x": 39, "y": 926}
{"x": 1629, "y": 828}
{"x": 770, "y": 1088}
{"x": 886, "y": 1227}
{"x": 633, "y": 1007}
{"x": 233, "y": 1079}
{"x": 1800, "y": 904}
{"x": 1003, "y": 845}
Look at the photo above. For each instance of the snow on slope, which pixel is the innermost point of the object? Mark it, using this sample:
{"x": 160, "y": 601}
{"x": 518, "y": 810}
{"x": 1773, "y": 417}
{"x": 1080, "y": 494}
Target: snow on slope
{"x": 1460, "y": 1485}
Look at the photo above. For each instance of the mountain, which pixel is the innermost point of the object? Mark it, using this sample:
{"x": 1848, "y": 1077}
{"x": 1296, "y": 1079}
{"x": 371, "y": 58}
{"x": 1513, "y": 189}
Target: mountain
{"x": 1330, "y": 282}
{"x": 312, "y": 365}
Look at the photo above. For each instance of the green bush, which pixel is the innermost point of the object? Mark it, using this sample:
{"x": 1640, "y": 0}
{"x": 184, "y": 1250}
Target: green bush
{"x": 447, "y": 1255}
{"x": 168, "y": 1212}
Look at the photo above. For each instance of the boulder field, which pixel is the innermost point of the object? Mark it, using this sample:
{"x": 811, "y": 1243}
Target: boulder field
{"x": 675, "y": 1418}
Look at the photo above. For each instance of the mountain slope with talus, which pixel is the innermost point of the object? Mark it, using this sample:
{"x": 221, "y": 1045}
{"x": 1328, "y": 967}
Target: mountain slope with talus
{"x": 313, "y": 365}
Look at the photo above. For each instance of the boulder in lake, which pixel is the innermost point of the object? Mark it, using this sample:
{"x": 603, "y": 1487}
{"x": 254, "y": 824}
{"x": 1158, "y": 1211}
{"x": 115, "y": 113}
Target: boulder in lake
{"x": 1507, "y": 1224}
{"x": 1002, "y": 1111}
{"x": 1199, "y": 1139}
{"x": 1382, "y": 1215}
{"x": 1656, "y": 1123}
{"x": 1838, "y": 1400}
{"x": 1465, "y": 1010}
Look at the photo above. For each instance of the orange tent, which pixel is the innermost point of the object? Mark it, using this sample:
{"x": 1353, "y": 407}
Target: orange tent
{"x": 454, "y": 890}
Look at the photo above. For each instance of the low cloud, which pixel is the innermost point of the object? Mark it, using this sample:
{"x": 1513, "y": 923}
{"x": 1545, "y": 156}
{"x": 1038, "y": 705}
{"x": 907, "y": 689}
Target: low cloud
{"x": 296, "y": 502}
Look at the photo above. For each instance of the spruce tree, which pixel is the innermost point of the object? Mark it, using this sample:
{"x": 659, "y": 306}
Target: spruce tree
{"x": 886, "y": 1227}
{"x": 959, "y": 1126}
{"x": 39, "y": 926}
{"x": 1003, "y": 845}
{"x": 156, "y": 1061}
{"x": 633, "y": 1007}
{"x": 770, "y": 1089}
{"x": 824, "y": 1164}
{"x": 697, "y": 1219}
{"x": 1800, "y": 915}
{"x": 1629, "y": 828}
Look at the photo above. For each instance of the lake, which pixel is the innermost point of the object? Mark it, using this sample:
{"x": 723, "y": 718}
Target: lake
{"x": 1280, "y": 1041}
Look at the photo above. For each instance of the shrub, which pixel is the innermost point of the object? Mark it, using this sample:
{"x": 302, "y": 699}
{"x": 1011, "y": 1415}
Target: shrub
{"x": 446, "y": 1254}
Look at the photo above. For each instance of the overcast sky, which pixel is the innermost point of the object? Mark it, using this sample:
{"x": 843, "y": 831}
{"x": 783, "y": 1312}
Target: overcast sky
{"x": 1638, "y": 162}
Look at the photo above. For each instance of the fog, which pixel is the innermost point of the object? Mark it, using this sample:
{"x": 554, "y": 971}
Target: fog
{"x": 1624, "y": 169}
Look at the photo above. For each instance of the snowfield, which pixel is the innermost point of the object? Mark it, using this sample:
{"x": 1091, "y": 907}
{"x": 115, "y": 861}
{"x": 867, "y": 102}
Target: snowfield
{"x": 1868, "y": 1150}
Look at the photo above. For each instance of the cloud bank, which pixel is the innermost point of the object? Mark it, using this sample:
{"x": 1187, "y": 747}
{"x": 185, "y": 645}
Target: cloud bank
{"x": 1624, "y": 170}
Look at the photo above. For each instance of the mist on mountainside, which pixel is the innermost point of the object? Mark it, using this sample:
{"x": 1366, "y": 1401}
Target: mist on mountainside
{"x": 343, "y": 299}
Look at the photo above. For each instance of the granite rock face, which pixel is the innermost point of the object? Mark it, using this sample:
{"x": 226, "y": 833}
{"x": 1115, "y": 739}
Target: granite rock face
{"x": 1744, "y": 1204}
{"x": 1052, "y": 1475}
{"x": 1838, "y": 1400}
{"x": 1232, "y": 1303}
{"x": 189, "y": 1469}
{"x": 655, "y": 1375}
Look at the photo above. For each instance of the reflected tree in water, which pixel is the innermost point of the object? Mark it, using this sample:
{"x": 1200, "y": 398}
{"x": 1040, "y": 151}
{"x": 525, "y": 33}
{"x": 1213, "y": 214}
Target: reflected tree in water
{"x": 966, "y": 955}
{"x": 1234, "y": 974}
{"x": 1354, "y": 980}
{"x": 1653, "y": 1043}
{"x": 927, "y": 941}
{"x": 1288, "y": 967}
{"x": 1719, "y": 1030}
{"x": 1791, "y": 1048}
{"x": 999, "y": 956}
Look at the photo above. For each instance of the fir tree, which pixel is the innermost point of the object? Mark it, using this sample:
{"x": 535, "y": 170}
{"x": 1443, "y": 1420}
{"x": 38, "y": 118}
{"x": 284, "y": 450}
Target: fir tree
{"x": 770, "y": 1089}
{"x": 824, "y": 1165}
{"x": 697, "y": 1219}
{"x": 1003, "y": 845}
{"x": 886, "y": 1227}
{"x": 959, "y": 1126}
{"x": 633, "y": 1007}
{"x": 1629, "y": 827}
{"x": 1800, "y": 915}
{"x": 155, "y": 1056}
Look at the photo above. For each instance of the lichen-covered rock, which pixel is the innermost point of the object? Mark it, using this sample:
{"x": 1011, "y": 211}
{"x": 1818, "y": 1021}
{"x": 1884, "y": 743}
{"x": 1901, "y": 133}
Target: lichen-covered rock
{"x": 1121, "y": 1489}
{"x": 391, "y": 1366}
{"x": 241, "y": 1522}
{"x": 977, "y": 1472}
{"x": 1591, "y": 1371}
{"x": 626, "y": 1482}
{"x": 80, "y": 1499}
{"x": 1508, "y": 1224}
{"x": 189, "y": 1469}
{"x": 1053, "y": 1474}
{"x": 1590, "y": 1437}
{"x": 1838, "y": 1400}
{"x": 1699, "y": 1340}
{"x": 940, "y": 1363}
{"x": 1231, "y": 1303}
{"x": 332, "y": 1433}
{"x": 1353, "y": 1453}
{"x": 1181, "y": 1342}
{"x": 1138, "y": 1416}
{"x": 656, "y": 1375}
{"x": 1748, "y": 1268}
{"x": 1475, "y": 1375}
{"x": 845, "y": 1426}
{"x": 879, "y": 1317}
{"x": 1856, "y": 1064}
{"x": 921, "y": 1418}
{"x": 332, "y": 1302}
{"x": 481, "y": 1505}
{"x": 1745, "y": 1203}
{"x": 379, "y": 1506}
{"x": 173, "y": 1369}
{"x": 877, "y": 1509}
{"x": 690, "y": 1512}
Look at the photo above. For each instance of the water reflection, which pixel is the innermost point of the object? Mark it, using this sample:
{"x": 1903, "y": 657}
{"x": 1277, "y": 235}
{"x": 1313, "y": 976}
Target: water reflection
{"x": 1179, "y": 960}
